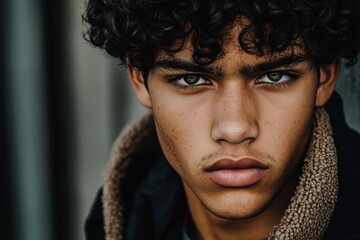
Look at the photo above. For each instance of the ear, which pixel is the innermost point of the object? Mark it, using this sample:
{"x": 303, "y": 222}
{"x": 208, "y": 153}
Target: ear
{"x": 138, "y": 83}
{"x": 328, "y": 75}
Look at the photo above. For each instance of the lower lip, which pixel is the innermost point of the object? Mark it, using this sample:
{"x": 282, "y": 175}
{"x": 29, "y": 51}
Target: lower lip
{"x": 237, "y": 177}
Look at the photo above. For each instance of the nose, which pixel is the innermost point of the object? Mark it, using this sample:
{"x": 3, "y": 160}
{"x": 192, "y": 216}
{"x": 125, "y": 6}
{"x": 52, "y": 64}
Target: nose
{"x": 235, "y": 118}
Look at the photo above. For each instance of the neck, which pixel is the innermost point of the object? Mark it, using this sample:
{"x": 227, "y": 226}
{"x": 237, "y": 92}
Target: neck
{"x": 206, "y": 225}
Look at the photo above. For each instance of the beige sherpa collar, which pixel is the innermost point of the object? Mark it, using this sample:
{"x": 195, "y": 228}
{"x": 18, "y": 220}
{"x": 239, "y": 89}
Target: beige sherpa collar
{"x": 310, "y": 209}
{"x": 314, "y": 201}
{"x": 138, "y": 140}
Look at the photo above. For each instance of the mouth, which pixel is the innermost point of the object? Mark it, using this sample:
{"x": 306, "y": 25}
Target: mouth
{"x": 244, "y": 172}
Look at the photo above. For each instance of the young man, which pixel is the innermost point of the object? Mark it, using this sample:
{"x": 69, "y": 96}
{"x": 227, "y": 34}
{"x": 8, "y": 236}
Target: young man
{"x": 239, "y": 143}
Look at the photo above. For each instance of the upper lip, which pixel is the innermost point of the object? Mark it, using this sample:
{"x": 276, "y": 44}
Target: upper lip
{"x": 243, "y": 163}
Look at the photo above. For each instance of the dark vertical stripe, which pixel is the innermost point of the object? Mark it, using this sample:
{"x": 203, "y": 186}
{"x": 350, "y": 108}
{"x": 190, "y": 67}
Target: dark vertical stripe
{"x": 60, "y": 118}
{"x": 6, "y": 183}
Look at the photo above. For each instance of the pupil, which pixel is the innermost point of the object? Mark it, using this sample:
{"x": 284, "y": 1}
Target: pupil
{"x": 191, "y": 79}
{"x": 275, "y": 76}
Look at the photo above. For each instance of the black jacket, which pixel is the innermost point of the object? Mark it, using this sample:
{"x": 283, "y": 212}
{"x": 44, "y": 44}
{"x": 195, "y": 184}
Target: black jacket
{"x": 160, "y": 213}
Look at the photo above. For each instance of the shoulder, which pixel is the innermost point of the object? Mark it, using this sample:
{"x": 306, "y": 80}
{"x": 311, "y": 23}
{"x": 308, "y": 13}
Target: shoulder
{"x": 345, "y": 223}
{"x": 94, "y": 224}
{"x": 347, "y": 142}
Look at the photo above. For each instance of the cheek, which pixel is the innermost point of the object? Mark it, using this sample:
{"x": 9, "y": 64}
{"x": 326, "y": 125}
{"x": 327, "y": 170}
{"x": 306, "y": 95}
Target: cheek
{"x": 179, "y": 127}
{"x": 288, "y": 123}
{"x": 167, "y": 131}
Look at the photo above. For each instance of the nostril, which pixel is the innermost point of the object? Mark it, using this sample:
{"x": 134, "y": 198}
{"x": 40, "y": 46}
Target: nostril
{"x": 234, "y": 131}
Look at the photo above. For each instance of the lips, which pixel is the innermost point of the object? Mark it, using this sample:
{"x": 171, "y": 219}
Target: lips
{"x": 236, "y": 173}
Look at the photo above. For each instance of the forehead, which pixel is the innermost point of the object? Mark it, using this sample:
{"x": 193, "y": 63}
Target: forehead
{"x": 232, "y": 48}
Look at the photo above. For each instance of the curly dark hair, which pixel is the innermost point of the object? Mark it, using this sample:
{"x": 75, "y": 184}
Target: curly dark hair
{"x": 136, "y": 31}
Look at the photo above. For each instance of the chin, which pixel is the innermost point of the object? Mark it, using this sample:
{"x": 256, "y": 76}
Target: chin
{"x": 238, "y": 210}
{"x": 234, "y": 215}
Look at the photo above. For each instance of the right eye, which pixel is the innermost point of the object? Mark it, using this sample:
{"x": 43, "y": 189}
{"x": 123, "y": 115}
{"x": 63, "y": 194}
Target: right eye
{"x": 190, "y": 80}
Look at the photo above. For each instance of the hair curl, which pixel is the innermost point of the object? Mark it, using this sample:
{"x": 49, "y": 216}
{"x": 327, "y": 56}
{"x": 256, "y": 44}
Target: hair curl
{"x": 136, "y": 31}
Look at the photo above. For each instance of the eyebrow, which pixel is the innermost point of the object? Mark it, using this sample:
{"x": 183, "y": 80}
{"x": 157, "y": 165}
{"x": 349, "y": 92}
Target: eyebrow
{"x": 179, "y": 64}
{"x": 283, "y": 61}
{"x": 245, "y": 70}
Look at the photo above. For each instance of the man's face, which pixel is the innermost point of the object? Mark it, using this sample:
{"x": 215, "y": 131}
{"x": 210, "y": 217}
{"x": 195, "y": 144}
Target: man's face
{"x": 236, "y": 131}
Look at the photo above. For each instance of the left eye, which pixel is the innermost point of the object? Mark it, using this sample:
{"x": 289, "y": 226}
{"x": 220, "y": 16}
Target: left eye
{"x": 191, "y": 80}
{"x": 273, "y": 77}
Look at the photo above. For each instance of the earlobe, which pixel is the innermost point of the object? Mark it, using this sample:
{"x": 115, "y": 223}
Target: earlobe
{"x": 138, "y": 83}
{"x": 328, "y": 75}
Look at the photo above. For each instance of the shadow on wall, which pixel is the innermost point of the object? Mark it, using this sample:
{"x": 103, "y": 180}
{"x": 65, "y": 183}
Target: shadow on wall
{"x": 348, "y": 86}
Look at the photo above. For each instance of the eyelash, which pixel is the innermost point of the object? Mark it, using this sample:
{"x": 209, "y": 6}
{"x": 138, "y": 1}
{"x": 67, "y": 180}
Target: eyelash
{"x": 286, "y": 73}
{"x": 173, "y": 81}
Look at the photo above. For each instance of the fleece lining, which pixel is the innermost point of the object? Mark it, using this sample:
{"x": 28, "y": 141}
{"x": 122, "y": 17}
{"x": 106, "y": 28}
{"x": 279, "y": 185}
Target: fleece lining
{"x": 309, "y": 211}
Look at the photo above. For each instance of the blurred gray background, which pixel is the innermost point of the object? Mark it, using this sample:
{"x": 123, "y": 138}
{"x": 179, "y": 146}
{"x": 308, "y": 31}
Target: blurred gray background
{"x": 62, "y": 105}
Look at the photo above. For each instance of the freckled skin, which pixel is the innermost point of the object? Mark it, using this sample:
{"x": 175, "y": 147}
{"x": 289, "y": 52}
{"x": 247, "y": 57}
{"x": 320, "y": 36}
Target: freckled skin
{"x": 237, "y": 120}
{"x": 234, "y": 117}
